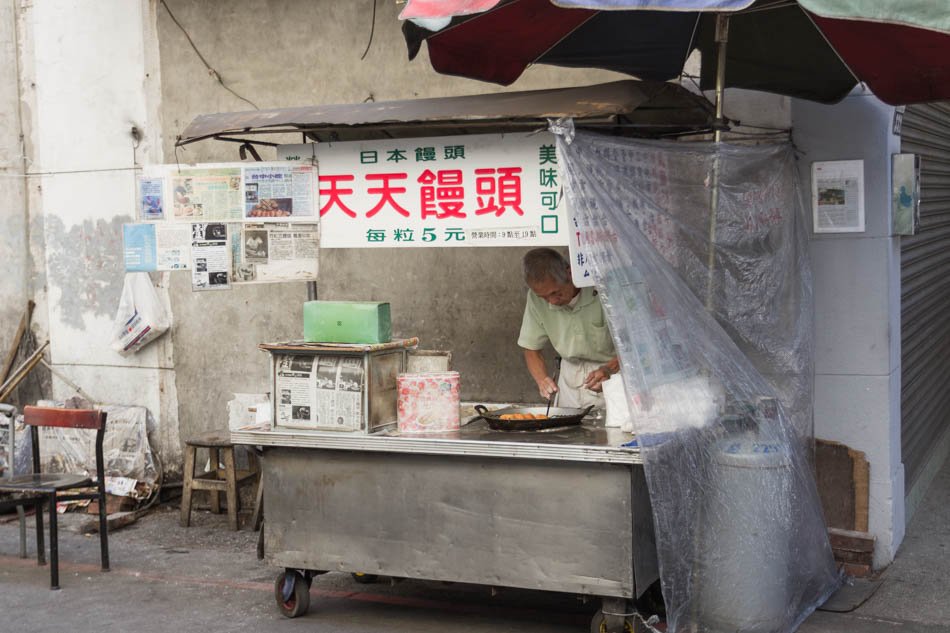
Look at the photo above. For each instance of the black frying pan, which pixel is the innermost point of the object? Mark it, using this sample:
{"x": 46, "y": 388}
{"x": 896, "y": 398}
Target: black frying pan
{"x": 558, "y": 417}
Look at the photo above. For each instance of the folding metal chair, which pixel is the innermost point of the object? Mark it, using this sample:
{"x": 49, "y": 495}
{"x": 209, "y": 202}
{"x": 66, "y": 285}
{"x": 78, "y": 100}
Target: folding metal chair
{"x": 49, "y": 488}
{"x": 9, "y": 411}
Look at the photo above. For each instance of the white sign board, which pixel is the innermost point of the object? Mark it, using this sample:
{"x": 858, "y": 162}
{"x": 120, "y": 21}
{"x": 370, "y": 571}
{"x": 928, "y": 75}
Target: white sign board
{"x": 581, "y": 273}
{"x": 480, "y": 190}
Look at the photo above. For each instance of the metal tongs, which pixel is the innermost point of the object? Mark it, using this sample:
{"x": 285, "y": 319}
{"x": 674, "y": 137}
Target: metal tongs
{"x": 557, "y": 374}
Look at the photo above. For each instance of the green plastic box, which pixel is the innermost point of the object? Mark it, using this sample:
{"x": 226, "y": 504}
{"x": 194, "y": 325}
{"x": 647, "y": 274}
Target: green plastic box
{"x": 347, "y": 322}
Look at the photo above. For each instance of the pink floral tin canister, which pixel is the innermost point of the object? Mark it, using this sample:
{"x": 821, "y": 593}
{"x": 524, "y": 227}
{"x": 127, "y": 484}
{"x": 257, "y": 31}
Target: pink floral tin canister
{"x": 428, "y": 402}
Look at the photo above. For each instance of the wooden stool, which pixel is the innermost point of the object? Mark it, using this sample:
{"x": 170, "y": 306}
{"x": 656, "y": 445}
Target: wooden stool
{"x": 217, "y": 479}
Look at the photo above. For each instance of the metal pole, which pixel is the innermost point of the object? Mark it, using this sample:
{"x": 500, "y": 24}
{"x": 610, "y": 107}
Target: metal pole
{"x": 722, "y": 39}
{"x": 311, "y": 291}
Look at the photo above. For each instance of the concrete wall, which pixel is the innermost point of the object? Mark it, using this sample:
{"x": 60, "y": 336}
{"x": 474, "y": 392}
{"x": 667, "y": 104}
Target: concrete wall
{"x": 14, "y": 290}
{"x": 857, "y": 306}
{"x": 288, "y": 53}
{"x": 87, "y": 77}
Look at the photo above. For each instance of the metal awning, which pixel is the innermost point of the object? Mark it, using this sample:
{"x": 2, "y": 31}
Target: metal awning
{"x": 630, "y": 107}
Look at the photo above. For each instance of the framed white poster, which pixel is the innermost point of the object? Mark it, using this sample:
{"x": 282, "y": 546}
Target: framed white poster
{"x": 837, "y": 196}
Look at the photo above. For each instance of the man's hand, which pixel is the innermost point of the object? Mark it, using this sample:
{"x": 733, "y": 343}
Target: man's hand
{"x": 535, "y": 362}
{"x": 596, "y": 378}
{"x": 547, "y": 387}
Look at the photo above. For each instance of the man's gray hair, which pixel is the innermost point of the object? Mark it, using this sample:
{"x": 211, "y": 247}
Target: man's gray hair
{"x": 545, "y": 263}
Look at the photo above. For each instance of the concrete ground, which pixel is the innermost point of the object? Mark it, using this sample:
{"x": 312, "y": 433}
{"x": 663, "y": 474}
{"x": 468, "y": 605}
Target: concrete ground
{"x": 207, "y": 578}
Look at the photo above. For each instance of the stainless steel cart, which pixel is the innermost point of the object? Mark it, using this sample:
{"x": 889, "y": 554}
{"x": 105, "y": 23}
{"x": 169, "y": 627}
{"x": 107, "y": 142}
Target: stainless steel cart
{"x": 566, "y": 510}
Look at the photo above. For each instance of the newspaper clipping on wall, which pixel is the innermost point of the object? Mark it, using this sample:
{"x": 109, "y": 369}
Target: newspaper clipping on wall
{"x": 151, "y": 199}
{"x": 210, "y": 257}
{"x": 265, "y": 253}
{"x": 280, "y": 191}
{"x": 172, "y": 246}
{"x": 838, "y": 196}
{"x": 324, "y": 392}
{"x": 207, "y": 194}
{"x": 154, "y": 247}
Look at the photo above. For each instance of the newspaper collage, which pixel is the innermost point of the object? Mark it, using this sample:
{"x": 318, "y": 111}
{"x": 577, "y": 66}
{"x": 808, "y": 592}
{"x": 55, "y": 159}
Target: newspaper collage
{"x": 318, "y": 392}
{"x": 266, "y": 214}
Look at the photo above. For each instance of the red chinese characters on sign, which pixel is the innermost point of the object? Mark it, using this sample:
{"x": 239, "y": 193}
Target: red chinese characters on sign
{"x": 386, "y": 191}
{"x": 498, "y": 190}
{"x": 334, "y": 193}
{"x": 442, "y": 194}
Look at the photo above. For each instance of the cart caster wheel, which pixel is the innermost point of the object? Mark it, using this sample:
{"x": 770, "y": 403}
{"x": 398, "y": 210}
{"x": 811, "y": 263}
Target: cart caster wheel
{"x": 598, "y": 624}
{"x": 364, "y": 579}
{"x": 292, "y": 592}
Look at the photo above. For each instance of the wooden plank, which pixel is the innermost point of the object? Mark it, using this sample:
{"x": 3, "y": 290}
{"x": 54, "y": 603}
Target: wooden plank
{"x": 851, "y": 540}
{"x": 862, "y": 489}
{"x": 339, "y": 348}
{"x": 855, "y": 558}
{"x": 114, "y": 504}
{"x": 8, "y": 387}
{"x": 17, "y": 338}
{"x": 834, "y": 476}
{"x": 113, "y": 522}
{"x": 856, "y": 571}
{"x": 66, "y": 418}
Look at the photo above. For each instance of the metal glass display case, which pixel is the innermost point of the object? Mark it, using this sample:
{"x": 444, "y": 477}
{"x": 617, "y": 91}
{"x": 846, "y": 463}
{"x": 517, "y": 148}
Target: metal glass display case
{"x": 335, "y": 386}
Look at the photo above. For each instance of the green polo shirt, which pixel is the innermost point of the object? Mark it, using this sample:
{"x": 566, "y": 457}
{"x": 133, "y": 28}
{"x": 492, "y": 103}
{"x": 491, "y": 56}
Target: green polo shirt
{"x": 576, "y": 333}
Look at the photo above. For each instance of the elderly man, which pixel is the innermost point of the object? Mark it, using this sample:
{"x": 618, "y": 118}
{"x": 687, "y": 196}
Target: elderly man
{"x": 572, "y": 320}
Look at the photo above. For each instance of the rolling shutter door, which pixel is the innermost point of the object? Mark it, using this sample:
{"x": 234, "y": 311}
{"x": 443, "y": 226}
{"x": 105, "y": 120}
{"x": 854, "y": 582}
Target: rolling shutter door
{"x": 925, "y": 292}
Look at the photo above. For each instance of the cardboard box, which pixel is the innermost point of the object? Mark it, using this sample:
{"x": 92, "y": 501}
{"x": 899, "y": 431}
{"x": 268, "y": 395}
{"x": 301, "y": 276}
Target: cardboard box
{"x": 347, "y": 322}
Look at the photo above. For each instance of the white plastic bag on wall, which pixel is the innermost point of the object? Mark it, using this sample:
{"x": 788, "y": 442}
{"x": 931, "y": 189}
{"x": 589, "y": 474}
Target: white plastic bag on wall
{"x": 141, "y": 317}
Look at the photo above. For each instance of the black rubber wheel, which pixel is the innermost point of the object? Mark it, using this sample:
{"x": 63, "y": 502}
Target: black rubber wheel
{"x": 598, "y": 624}
{"x": 364, "y": 579}
{"x": 293, "y": 600}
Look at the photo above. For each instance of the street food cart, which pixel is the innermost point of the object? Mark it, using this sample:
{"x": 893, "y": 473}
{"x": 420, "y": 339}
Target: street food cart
{"x": 564, "y": 508}
{"x": 560, "y": 509}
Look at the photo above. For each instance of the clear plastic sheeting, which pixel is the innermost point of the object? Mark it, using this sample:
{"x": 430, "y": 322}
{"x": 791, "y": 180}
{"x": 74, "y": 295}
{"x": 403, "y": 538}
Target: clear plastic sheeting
{"x": 698, "y": 251}
{"x": 128, "y": 455}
